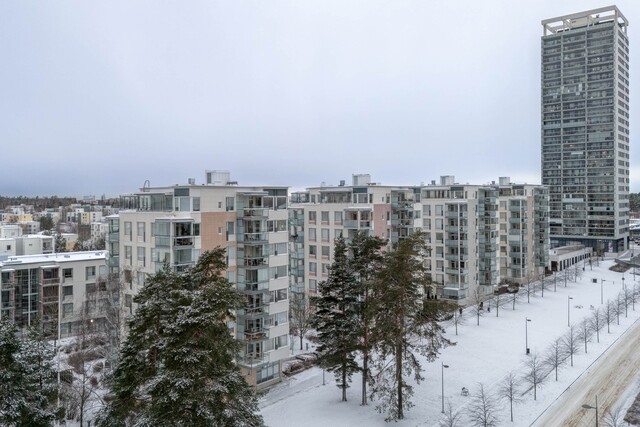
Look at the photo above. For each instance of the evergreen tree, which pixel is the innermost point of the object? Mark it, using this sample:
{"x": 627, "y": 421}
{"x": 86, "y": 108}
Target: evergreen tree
{"x": 177, "y": 365}
{"x": 365, "y": 260}
{"x": 335, "y": 317}
{"x": 28, "y": 385}
{"x": 401, "y": 324}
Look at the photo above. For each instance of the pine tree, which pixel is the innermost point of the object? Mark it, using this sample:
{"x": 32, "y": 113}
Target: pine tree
{"x": 28, "y": 385}
{"x": 365, "y": 260}
{"x": 405, "y": 317}
{"x": 335, "y": 317}
{"x": 177, "y": 366}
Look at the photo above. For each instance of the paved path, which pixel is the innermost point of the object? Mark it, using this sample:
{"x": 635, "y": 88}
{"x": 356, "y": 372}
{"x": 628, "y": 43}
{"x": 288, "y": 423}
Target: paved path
{"x": 608, "y": 378}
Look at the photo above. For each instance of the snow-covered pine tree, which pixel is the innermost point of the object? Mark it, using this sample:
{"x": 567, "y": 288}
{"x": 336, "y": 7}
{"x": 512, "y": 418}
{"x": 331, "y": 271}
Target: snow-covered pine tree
{"x": 365, "y": 260}
{"x": 335, "y": 317}
{"x": 177, "y": 366}
{"x": 405, "y": 325}
{"x": 28, "y": 385}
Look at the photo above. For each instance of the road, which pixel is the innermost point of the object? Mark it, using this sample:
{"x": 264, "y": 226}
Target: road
{"x": 608, "y": 378}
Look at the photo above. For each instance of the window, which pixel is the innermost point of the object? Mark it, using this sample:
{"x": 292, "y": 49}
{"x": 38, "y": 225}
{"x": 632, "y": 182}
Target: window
{"x": 141, "y": 232}
{"x": 325, "y": 268}
{"x": 128, "y": 303}
{"x": 230, "y": 229}
{"x": 312, "y": 217}
{"x": 196, "y": 204}
{"x": 426, "y": 210}
{"x": 312, "y": 234}
{"x": 337, "y": 217}
{"x": 313, "y": 285}
{"x": 67, "y": 309}
{"x": 67, "y": 291}
{"x": 313, "y": 268}
{"x": 313, "y": 251}
{"x": 127, "y": 229}
{"x": 127, "y": 254}
{"x": 90, "y": 272}
{"x": 279, "y": 295}
{"x": 325, "y": 234}
{"x": 325, "y": 251}
{"x": 8, "y": 247}
{"x": 140, "y": 278}
{"x": 90, "y": 288}
{"x": 277, "y": 272}
{"x": 67, "y": 273}
{"x": 438, "y": 210}
{"x": 280, "y": 341}
{"x": 196, "y": 229}
{"x": 439, "y": 224}
{"x": 231, "y": 276}
{"x": 230, "y": 203}
{"x": 324, "y": 217}
{"x": 279, "y": 249}
{"x": 141, "y": 256}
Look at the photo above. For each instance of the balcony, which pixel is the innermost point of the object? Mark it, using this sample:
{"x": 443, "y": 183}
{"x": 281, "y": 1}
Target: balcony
{"x": 456, "y": 271}
{"x": 255, "y": 334}
{"x": 456, "y": 243}
{"x": 456, "y": 228}
{"x": 255, "y": 213}
{"x": 456, "y": 257}
{"x": 255, "y": 238}
{"x": 455, "y": 214}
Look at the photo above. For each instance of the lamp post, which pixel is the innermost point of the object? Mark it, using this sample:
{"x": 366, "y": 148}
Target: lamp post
{"x": 623, "y": 281}
{"x": 585, "y": 406}
{"x": 526, "y": 335}
{"x": 569, "y": 310}
{"x": 443, "y": 366}
{"x": 601, "y": 291}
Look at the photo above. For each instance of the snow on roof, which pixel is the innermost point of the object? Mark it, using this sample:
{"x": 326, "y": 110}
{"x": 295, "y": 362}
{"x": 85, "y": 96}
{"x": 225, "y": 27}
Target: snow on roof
{"x": 61, "y": 257}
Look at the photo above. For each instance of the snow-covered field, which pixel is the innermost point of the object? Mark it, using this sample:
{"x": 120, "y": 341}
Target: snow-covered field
{"x": 483, "y": 354}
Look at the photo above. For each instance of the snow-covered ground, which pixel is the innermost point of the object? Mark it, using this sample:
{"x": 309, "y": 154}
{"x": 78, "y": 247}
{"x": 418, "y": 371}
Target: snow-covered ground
{"x": 483, "y": 354}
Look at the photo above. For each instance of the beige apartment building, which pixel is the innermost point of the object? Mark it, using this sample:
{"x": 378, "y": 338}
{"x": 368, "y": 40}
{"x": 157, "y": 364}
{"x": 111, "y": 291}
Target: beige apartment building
{"x": 173, "y": 225}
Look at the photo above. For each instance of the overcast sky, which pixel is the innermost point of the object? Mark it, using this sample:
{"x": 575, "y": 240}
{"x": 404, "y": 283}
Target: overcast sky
{"x": 97, "y": 97}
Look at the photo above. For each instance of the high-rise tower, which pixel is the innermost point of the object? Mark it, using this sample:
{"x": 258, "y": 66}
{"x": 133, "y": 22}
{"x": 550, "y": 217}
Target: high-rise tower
{"x": 585, "y": 127}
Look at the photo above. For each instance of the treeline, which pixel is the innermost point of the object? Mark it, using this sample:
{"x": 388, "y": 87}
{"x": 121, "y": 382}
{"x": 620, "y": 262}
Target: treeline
{"x": 38, "y": 202}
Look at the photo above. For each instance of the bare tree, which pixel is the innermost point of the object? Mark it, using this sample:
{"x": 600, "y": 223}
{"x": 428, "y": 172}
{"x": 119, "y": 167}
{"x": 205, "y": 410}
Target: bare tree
{"x": 567, "y": 275}
{"x": 477, "y": 306}
{"x": 634, "y": 295}
{"x": 597, "y": 322}
{"x": 543, "y": 282}
{"x": 585, "y": 333}
{"x": 509, "y": 390}
{"x": 300, "y": 317}
{"x": 482, "y": 410}
{"x": 571, "y": 343}
{"x": 451, "y": 418}
{"x": 530, "y": 288}
{"x": 535, "y": 374}
{"x": 459, "y": 318}
{"x": 515, "y": 297}
{"x": 608, "y": 313}
{"x": 627, "y": 295}
{"x": 576, "y": 272}
{"x": 556, "y": 356}
{"x": 500, "y": 300}
{"x": 615, "y": 417}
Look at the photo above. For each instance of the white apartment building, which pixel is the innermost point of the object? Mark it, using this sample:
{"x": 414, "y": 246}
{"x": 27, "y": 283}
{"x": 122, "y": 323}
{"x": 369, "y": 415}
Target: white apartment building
{"x": 175, "y": 224}
{"x": 478, "y": 234}
{"x": 54, "y": 289}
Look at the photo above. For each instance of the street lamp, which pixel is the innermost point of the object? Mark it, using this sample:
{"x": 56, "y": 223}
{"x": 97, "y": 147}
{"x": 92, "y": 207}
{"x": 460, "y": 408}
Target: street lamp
{"x": 569, "y": 310}
{"x": 443, "y": 366}
{"x": 601, "y": 291}
{"x": 585, "y": 406}
{"x": 526, "y": 335}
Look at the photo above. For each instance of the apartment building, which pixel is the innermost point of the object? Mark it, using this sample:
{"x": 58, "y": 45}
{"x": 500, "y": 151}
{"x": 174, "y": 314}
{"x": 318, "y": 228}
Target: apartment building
{"x": 55, "y": 289}
{"x": 585, "y": 128}
{"x": 477, "y": 234}
{"x": 173, "y": 225}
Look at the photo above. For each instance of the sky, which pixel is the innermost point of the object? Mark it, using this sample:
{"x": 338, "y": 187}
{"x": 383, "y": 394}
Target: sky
{"x": 97, "y": 97}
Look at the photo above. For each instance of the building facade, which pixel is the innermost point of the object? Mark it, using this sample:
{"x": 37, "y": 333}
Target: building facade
{"x": 173, "y": 225}
{"x": 585, "y": 128}
{"x": 58, "y": 290}
{"x": 477, "y": 234}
